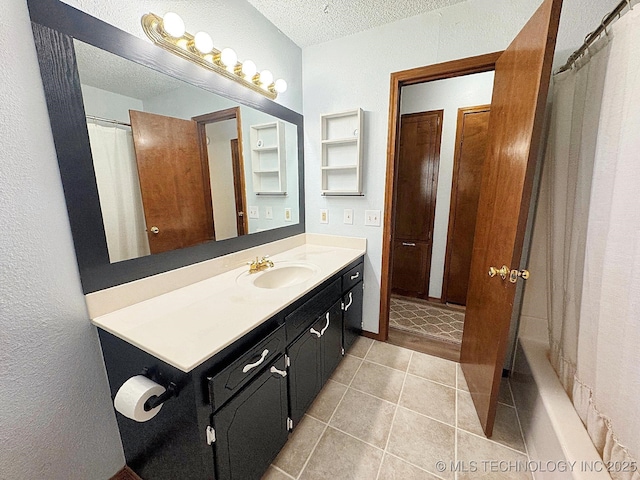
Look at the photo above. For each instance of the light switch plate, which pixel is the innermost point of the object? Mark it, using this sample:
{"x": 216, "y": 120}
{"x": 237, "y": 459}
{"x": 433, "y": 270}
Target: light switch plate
{"x": 287, "y": 214}
{"x": 268, "y": 213}
{"x": 372, "y": 218}
{"x": 348, "y": 216}
{"x": 324, "y": 215}
{"x": 254, "y": 212}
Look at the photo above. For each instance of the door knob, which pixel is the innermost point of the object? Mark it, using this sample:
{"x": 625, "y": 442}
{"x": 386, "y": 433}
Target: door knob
{"x": 155, "y": 230}
{"x": 513, "y": 277}
{"x": 503, "y": 272}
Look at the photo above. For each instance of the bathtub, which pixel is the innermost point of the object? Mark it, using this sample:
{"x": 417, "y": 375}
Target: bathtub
{"x": 557, "y": 442}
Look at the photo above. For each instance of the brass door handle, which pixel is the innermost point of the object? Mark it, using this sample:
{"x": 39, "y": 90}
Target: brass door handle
{"x": 513, "y": 276}
{"x": 155, "y": 230}
{"x": 503, "y": 272}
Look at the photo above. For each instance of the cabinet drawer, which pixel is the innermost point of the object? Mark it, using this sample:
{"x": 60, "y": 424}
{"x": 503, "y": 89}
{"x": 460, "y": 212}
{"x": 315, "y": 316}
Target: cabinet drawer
{"x": 309, "y": 311}
{"x": 226, "y": 383}
{"x": 352, "y": 277}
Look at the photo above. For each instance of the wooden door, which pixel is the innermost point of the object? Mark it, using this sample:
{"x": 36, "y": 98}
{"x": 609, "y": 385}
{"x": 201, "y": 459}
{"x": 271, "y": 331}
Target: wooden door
{"x": 419, "y": 159}
{"x": 468, "y": 159}
{"x": 176, "y": 195}
{"x": 517, "y": 110}
{"x": 238, "y": 187}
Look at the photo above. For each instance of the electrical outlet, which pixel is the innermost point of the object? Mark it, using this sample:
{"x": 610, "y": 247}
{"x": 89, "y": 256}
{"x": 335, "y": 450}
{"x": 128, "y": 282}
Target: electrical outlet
{"x": 254, "y": 212}
{"x": 268, "y": 213}
{"x": 372, "y": 218}
{"x": 287, "y": 214}
{"x": 348, "y": 216}
{"x": 324, "y": 215}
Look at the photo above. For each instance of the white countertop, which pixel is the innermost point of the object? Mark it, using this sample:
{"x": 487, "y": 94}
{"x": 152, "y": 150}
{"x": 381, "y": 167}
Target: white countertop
{"x": 189, "y": 325}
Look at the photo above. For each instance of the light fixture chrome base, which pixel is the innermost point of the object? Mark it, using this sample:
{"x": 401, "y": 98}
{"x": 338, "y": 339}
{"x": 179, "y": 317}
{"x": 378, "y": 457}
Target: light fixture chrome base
{"x": 184, "y": 47}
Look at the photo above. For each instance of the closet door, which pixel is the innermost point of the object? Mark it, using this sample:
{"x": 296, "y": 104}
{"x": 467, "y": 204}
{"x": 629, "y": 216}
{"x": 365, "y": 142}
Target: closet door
{"x": 418, "y": 163}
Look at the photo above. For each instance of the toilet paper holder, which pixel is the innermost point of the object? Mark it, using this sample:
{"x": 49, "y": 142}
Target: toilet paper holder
{"x": 171, "y": 390}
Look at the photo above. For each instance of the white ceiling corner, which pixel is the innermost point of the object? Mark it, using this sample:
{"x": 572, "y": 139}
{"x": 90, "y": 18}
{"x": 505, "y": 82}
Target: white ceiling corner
{"x": 309, "y": 22}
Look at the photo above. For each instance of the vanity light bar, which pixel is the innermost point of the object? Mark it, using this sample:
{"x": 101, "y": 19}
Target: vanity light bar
{"x": 184, "y": 44}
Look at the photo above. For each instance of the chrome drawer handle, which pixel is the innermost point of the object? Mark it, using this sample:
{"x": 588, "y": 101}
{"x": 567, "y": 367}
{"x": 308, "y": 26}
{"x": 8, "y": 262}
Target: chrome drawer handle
{"x": 250, "y": 366}
{"x": 408, "y": 244}
{"x": 353, "y": 277}
{"x": 350, "y": 302}
{"x": 279, "y": 372}
{"x": 321, "y": 332}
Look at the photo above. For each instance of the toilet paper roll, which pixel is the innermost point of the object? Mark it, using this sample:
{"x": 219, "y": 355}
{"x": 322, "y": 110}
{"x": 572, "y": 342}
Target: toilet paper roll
{"x": 132, "y": 395}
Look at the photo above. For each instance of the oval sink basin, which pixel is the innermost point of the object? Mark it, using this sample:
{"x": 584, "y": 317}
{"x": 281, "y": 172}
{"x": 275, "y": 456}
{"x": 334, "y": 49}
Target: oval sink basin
{"x": 280, "y": 276}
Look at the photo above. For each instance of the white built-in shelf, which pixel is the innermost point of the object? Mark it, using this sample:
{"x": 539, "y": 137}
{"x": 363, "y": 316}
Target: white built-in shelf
{"x": 342, "y": 153}
{"x": 268, "y": 159}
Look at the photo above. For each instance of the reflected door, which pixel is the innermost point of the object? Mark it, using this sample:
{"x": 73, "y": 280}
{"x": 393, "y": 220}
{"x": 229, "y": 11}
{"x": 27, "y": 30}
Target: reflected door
{"x": 515, "y": 125}
{"x": 174, "y": 182}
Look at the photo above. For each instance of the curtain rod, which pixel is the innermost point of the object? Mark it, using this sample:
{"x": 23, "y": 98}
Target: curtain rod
{"x": 589, "y": 39}
{"x": 107, "y": 120}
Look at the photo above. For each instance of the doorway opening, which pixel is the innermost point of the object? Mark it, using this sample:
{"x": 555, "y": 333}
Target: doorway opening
{"x": 220, "y": 135}
{"x": 438, "y": 124}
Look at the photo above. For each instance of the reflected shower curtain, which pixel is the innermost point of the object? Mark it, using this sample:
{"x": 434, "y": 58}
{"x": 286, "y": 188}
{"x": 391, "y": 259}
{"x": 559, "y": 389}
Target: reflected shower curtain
{"x": 592, "y": 170}
{"x": 119, "y": 191}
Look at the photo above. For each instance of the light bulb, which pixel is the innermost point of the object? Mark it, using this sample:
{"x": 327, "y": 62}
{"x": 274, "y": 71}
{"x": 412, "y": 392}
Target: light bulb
{"x": 249, "y": 69}
{"x": 280, "y": 86}
{"x": 203, "y": 42}
{"x": 266, "y": 78}
{"x": 229, "y": 58}
{"x": 173, "y": 25}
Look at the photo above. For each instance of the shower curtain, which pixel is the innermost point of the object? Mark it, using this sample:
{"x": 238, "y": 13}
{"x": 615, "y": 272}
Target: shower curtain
{"x": 119, "y": 191}
{"x": 592, "y": 172}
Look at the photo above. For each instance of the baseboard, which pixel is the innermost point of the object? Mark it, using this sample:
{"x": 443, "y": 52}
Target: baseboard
{"x": 125, "y": 474}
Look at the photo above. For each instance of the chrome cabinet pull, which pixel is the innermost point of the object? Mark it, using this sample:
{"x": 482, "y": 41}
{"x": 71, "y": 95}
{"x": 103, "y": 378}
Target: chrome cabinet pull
{"x": 326, "y": 326}
{"x": 279, "y": 372}
{"x": 353, "y": 277}
{"x": 321, "y": 332}
{"x": 408, "y": 244}
{"x": 251, "y": 366}
{"x": 350, "y": 302}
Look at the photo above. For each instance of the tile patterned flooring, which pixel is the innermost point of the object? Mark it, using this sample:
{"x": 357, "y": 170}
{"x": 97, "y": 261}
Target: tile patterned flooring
{"x": 425, "y": 319}
{"x": 390, "y": 413}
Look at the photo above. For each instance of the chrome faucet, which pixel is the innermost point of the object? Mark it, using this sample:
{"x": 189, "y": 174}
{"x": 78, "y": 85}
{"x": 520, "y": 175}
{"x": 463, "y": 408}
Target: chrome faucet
{"x": 259, "y": 265}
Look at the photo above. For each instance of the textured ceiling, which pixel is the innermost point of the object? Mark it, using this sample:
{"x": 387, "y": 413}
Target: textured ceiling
{"x": 308, "y": 22}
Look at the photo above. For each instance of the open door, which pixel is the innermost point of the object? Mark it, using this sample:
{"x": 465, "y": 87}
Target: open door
{"x": 521, "y": 83}
{"x": 176, "y": 195}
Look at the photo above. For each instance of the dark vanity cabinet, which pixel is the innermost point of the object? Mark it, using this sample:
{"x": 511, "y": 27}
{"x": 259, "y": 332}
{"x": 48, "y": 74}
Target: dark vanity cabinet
{"x": 353, "y": 288}
{"x": 253, "y": 427}
{"x": 234, "y": 412}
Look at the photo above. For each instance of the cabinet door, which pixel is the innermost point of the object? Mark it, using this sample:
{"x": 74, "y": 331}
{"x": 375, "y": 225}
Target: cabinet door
{"x": 305, "y": 371}
{"x": 331, "y": 340}
{"x": 352, "y": 315}
{"x": 252, "y": 428}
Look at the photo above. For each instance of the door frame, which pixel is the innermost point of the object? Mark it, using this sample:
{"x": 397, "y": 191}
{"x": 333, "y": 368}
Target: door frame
{"x": 440, "y": 71}
{"x": 454, "y": 189}
{"x": 238, "y": 183}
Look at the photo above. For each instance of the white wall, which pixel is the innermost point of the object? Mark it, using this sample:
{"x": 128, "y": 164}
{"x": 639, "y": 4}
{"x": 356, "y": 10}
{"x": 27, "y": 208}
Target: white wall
{"x": 448, "y": 95}
{"x": 104, "y": 104}
{"x": 56, "y": 420}
{"x": 354, "y": 72}
{"x": 223, "y": 197}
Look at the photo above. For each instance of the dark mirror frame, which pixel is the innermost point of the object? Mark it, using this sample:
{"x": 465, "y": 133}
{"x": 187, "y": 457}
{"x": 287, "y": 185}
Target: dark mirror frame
{"x": 55, "y": 25}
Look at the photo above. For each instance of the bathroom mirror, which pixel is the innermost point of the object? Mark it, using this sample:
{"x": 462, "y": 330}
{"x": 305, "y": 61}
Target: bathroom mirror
{"x": 98, "y": 78}
{"x": 182, "y": 172}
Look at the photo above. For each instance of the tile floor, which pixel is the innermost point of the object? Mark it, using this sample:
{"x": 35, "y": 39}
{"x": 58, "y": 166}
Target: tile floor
{"x": 424, "y": 319}
{"x": 391, "y": 413}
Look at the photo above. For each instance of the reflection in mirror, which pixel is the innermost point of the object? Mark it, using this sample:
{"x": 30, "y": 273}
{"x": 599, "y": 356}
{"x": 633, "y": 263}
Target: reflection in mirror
{"x": 176, "y": 165}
